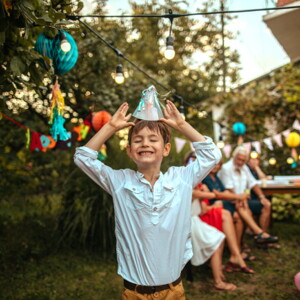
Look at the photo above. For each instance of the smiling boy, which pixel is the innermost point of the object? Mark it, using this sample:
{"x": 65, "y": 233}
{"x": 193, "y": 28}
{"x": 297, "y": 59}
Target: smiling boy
{"x": 152, "y": 209}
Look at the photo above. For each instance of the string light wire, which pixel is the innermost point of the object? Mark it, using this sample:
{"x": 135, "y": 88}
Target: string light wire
{"x": 187, "y": 14}
{"x": 170, "y": 16}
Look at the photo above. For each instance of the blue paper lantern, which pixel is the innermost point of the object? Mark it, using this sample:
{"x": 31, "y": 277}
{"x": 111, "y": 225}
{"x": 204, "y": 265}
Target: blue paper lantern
{"x": 43, "y": 45}
{"x": 239, "y": 128}
{"x": 62, "y": 61}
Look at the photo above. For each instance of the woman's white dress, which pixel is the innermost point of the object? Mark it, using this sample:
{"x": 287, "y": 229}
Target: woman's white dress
{"x": 205, "y": 238}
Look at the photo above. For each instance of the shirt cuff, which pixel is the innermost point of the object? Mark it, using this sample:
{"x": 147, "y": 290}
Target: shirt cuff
{"x": 207, "y": 144}
{"x": 85, "y": 151}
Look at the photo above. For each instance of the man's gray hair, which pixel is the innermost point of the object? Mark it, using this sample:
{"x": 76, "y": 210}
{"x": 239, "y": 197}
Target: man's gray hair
{"x": 240, "y": 150}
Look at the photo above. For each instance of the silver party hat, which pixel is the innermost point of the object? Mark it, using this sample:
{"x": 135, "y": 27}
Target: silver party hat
{"x": 149, "y": 107}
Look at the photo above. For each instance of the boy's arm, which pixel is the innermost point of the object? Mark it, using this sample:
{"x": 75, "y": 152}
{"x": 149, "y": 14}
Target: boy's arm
{"x": 174, "y": 119}
{"x": 118, "y": 121}
{"x": 86, "y": 157}
{"x": 207, "y": 154}
{"x": 203, "y": 195}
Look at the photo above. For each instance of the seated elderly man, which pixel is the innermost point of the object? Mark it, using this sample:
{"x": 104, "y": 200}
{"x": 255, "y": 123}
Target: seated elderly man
{"x": 237, "y": 178}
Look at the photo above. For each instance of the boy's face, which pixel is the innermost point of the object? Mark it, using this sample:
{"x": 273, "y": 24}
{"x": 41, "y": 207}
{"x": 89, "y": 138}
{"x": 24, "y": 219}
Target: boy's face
{"x": 147, "y": 148}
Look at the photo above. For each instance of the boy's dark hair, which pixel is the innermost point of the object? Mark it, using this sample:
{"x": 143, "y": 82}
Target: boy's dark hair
{"x": 158, "y": 126}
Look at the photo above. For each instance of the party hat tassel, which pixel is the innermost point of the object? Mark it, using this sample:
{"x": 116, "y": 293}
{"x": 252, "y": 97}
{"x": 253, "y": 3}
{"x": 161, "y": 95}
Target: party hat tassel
{"x": 149, "y": 107}
{"x": 57, "y": 121}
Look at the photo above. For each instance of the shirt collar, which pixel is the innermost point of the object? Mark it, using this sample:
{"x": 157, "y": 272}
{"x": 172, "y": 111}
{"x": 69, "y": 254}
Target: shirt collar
{"x": 140, "y": 175}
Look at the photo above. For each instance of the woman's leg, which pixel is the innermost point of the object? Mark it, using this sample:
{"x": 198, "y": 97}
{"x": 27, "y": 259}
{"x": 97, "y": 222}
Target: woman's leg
{"x": 229, "y": 231}
{"x": 239, "y": 228}
{"x": 216, "y": 263}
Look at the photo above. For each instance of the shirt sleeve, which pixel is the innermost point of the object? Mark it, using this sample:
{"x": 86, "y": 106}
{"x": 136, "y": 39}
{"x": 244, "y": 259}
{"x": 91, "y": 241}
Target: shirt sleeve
{"x": 107, "y": 178}
{"x": 251, "y": 181}
{"x": 226, "y": 177}
{"x": 207, "y": 156}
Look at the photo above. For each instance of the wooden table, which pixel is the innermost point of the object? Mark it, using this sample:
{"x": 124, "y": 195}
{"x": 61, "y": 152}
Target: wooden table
{"x": 272, "y": 189}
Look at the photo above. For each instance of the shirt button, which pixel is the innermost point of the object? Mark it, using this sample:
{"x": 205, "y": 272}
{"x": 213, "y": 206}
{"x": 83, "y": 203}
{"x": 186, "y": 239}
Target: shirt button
{"x": 133, "y": 189}
{"x": 155, "y": 208}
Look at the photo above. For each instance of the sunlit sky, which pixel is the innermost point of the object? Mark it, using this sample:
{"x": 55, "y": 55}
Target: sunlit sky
{"x": 259, "y": 50}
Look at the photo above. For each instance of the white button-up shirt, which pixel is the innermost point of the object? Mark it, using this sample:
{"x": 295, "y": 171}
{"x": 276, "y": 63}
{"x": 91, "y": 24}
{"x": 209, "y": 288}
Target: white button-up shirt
{"x": 152, "y": 223}
{"x": 235, "y": 180}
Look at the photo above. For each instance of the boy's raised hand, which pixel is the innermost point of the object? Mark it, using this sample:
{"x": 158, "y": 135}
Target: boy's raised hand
{"x": 119, "y": 120}
{"x": 173, "y": 117}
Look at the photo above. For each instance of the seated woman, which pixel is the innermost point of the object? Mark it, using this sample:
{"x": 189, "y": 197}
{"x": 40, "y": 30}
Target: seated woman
{"x": 208, "y": 244}
{"x": 215, "y": 185}
{"x": 221, "y": 219}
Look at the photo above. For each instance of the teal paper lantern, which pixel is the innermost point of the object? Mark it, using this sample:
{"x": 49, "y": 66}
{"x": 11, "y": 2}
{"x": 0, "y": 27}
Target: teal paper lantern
{"x": 239, "y": 128}
{"x": 43, "y": 45}
{"x": 62, "y": 61}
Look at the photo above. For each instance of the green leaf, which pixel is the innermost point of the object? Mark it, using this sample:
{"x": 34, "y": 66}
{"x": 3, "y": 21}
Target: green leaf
{"x": 17, "y": 66}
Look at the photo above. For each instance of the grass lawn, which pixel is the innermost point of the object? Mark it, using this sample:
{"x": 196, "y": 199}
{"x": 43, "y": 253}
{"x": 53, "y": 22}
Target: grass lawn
{"x": 84, "y": 275}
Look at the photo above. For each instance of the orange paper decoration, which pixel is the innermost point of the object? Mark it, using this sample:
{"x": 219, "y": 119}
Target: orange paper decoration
{"x": 99, "y": 119}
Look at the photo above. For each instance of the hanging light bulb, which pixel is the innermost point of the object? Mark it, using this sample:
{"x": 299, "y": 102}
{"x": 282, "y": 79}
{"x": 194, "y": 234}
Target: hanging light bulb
{"x": 272, "y": 161}
{"x": 65, "y": 46}
{"x": 220, "y": 143}
{"x": 290, "y": 160}
{"x": 119, "y": 76}
{"x": 170, "y": 52}
{"x": 254, "y": 154}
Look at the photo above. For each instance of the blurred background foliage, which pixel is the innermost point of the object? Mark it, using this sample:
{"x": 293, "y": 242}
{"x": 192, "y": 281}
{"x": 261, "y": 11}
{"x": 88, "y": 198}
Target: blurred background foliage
{"x": 44, "y": 197}
{"x": 267, "y": 106}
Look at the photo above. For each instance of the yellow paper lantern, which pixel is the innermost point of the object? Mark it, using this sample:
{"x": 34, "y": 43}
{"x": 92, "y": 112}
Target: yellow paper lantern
{"x": 293, "y": 140}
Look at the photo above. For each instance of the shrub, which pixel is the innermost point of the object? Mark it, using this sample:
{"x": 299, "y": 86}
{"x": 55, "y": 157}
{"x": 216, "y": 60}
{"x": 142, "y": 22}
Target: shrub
{"x": 286, "y": 207}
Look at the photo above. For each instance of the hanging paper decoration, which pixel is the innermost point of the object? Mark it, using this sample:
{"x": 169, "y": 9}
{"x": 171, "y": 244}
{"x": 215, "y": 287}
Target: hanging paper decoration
{"x": 57, "y": 121}
{"x": 278, "y": 139}
{"x": 179, "y": 144}
{"x": 102, "y": 155}
{"x": 239, "y": 128}
{"x": 227, "y": 150}
{"x": 293, "y": 141}
{"x": 99, "y": 119}
{"x": 66, "y": 144}
{"x": 62, "y": 61}
{"x": 35, "y": 142}
{"x": 44, "y": 141}
{"x": 88, "y": 120}
{"x": 286, "y": 132}
{"x": 84, "y": 130}
{"x": 7, "y": 6}
{"x": 77, "y": 129}
{"x": 43, "y": 45}
{"x": 257, "y": 146}
{"x": 296, "y": 125}
{"x": 52, "y": 142}
{"x": 247, "y": 146}
{"x": 269, "y": 144}
{"x": 149, "y": 107}
{"x": 27, "y": 134}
